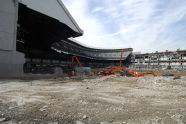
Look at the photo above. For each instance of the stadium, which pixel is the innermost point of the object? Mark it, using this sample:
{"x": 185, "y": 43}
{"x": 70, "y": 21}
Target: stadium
{"x": 37, "y": 36}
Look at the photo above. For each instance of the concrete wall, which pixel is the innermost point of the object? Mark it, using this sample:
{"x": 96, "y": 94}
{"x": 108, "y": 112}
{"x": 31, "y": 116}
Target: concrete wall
{"x": 11, "y": 64}
{"x": 11, "y": 61}
{"x": 7, "y": 24}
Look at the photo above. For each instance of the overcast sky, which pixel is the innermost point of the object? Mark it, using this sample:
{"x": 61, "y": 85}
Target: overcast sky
{"x": 144, "y": 25}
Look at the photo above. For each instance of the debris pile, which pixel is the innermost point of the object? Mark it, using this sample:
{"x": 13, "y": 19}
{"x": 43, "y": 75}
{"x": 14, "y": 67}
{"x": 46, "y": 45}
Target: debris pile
{"x": 110, "y": 99}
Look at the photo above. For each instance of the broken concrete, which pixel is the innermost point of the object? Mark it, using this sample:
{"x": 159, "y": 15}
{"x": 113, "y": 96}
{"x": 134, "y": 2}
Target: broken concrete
{"x": 111, "y": 99}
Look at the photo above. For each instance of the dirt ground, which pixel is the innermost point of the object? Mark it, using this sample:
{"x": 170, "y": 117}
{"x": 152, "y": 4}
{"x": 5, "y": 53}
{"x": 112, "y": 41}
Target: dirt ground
{"x": 161, "y": 72}
{"x": 102, "y": 100}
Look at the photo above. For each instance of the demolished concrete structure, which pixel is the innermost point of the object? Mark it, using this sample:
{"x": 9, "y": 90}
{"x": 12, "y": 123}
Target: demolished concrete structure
{"x": 172, "y": 60}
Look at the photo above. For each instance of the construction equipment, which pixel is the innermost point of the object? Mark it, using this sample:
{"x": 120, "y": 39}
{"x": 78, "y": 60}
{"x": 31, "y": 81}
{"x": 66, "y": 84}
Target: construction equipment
{"x": 112, "y": 69}
{"x": 105, "y": 73}
{"x": 81, "y": 68}
{"x": 76, "y": 58}
{"x": 115, "y": 69}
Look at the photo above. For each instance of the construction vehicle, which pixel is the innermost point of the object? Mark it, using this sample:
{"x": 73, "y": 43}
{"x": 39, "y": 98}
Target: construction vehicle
{"x": 105, "y": 73}
{"x": 76, "y": 58}
{"x": 113, "y": 69}
{"x": 81, "y": 68}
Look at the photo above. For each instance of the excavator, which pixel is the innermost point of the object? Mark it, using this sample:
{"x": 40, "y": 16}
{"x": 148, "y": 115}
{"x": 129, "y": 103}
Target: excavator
{"x": 81, "y": 68}
{"x": 111, "y": 69}
{"x": 76, "y": 58}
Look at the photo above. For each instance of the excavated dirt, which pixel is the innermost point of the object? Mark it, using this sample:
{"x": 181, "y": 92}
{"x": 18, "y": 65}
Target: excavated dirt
{"x": 102, "y": 100}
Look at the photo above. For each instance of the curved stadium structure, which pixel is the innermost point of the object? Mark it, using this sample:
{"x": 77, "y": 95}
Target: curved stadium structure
{"x": 37, "y": 37}
{"x": 71, "y": 47}
{"x": 60, "y": 55}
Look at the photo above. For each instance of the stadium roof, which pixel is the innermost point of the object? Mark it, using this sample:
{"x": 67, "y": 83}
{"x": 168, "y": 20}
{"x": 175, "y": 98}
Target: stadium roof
{"x": 55, "y": 9}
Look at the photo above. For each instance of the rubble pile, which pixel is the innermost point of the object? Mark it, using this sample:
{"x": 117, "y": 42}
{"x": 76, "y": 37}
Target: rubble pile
{"x": 103, "y": 100}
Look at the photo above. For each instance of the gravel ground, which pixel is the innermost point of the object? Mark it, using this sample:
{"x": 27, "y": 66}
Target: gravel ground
{"x": 103, "y": 100}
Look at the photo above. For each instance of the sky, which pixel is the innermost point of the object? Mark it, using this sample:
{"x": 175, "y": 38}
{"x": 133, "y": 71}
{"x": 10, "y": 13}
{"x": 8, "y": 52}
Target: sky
{"x": 144, "y": 25}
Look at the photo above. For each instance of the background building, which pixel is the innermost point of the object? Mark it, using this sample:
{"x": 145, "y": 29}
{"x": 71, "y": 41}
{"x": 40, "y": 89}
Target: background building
{"x": 175, "y": 60}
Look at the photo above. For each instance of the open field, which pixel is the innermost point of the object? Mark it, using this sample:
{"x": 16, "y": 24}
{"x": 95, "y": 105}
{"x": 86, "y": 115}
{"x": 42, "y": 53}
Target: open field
{"x": 104, "y": 100}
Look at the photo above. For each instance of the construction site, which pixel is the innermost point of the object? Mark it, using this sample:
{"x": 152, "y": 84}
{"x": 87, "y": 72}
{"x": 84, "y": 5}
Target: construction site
{"x": 48, "y": 77}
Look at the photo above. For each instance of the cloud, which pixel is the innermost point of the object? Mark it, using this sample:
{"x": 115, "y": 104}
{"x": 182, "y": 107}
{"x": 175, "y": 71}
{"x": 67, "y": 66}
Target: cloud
{"x": 144, "y": 25}
{"x": 97, "y": 9}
